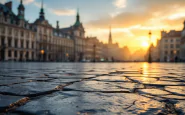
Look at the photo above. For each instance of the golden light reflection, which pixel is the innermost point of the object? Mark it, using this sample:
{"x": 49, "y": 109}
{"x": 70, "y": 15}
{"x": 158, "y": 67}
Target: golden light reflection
{"x": 145, "y": 68}
{"x": 145, "y": 71}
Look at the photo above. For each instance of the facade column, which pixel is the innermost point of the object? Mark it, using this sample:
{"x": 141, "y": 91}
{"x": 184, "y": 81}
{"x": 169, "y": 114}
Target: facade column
{"x": 30, "y": 55}
{"x": 13, "y": 42}
{"x": 18, "y": 55}
{"x": 19, "y": 43}
{"x": 6, "y": 41}
{"x": 6, "y": 54}
{"x": 24, "y": 55}
{"x": 24, "y": 43}
{"x": 12, "y": 56}
{"x": 0, "y": 40}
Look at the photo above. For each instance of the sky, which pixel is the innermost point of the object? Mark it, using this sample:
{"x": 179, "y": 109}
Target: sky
{"x": 130, "y": 20}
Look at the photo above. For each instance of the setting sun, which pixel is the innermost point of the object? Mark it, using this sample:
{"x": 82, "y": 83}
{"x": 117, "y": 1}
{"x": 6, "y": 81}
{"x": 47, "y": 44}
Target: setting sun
{"x": 145, "y": 44}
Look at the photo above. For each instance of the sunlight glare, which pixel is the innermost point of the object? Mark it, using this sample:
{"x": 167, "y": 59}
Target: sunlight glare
{"x": 145, "y": 44}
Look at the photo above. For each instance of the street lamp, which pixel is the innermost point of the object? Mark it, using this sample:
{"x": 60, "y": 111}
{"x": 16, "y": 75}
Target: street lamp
{"x": 67, "y": 56}
{"x": 94, "y": 46}
{"x": 149, "y": 53}
{"x": 42, "y": 53}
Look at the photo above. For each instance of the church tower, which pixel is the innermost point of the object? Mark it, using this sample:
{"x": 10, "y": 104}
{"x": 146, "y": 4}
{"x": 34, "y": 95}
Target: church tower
{"x": 77, "y": 23}
{"x": 42, "y": 17}
{"x": 21, "y": 10}
{"x": 110, "y": 36}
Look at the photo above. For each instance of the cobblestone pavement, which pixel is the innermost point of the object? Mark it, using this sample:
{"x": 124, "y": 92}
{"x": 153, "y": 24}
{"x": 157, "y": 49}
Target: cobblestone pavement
{"x": 82, "y": 88}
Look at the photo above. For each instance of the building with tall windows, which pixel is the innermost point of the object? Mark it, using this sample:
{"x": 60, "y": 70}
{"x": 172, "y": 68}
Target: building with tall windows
{"x": 170, "y": 46}
{"x": 40, "y": 41}
{"x": 182, "y": 51}
{"x": 17, "y": 36}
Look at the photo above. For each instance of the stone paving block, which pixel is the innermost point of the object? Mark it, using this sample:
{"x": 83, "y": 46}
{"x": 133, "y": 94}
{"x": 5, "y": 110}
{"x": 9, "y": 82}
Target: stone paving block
{"x": 29, "y": 88}
{"x": 71, "y": 103}
{"x": 112, "y": 78}
{"x": 103, "y": 86}
{"x": 153, "y": 92}
{"x": 6, "y": 100}
{"x": 176, "y": 89}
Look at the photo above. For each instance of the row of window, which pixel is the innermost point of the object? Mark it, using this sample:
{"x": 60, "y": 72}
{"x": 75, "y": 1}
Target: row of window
{"x": 16, "y": 43}
{"x": 21, "y": 54}
{"x": 22, "y": 33}
{"x": 10, "y": 21}
{"x": 172, "y": 46}
{"x": 172, "y": 40}
{"x": 172, "y": 52}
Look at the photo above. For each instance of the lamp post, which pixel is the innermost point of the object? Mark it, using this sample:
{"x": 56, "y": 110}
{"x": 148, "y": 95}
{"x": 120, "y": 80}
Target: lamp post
{"x": 149, "y": 53}
{"x": 67, "y": 56}
{"x": 94, "y": 47}
{"x": 42, "y": 54}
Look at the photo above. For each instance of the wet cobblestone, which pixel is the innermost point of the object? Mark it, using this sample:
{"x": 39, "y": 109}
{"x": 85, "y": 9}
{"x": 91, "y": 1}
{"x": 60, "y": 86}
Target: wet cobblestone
{"x": 92, "y": 88}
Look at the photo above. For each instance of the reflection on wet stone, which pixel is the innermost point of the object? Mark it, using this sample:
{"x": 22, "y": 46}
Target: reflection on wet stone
{"x": 112, "y": 88}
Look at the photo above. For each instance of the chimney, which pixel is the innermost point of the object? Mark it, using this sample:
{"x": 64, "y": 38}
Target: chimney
{"x": 9, "y": 5}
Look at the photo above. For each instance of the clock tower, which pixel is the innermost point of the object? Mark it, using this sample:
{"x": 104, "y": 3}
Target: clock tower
{"x": 21, "y": 10}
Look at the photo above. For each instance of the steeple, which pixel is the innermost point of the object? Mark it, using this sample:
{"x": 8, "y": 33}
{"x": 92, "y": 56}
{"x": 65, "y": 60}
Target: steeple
{"x": 77, "y": 23}
{"x": 110, "y": 36}
{"x": 58, "y": 25}
{"x": 42, "y": 17}
{"x": 150, "y": 34}
{"x": 57, "y": 28}
{"x": 21, "y": 10}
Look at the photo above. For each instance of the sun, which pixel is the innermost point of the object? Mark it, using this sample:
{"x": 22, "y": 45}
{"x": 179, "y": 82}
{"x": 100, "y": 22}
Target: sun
{"x": 145, "y": 44}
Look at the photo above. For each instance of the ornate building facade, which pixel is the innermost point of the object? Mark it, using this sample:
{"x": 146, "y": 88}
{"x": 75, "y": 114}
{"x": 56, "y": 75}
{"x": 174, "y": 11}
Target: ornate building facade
{"x": 40, "y": 41}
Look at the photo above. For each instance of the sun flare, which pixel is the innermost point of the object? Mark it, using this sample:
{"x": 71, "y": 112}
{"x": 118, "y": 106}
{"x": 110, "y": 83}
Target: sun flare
{"x": 145, "y": 44}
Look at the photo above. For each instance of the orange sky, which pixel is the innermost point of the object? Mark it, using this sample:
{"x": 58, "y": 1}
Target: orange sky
{"x": 130, "y": 26}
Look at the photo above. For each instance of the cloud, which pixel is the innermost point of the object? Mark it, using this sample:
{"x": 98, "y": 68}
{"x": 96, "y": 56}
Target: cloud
{"x": 38, "y": 4}
{"x": 58, "y": 12}
{"x": 133, "y": 23}
{"x": 120, "y": 3}
{"x": 27, "y": 1}
{"x": 64, "y": 12}
{"x": 3, "y": 1}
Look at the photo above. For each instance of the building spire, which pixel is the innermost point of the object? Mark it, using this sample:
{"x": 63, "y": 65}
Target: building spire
{"x": 150, "y": 34}
{"x": 21, "y": 10}
{"x": 42, "y": 11}
{"x": 58, "y": 25}
{"x": 42, "y": 6}
{"x": 110, "y": 36}
{"x": 77, "y": 23}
